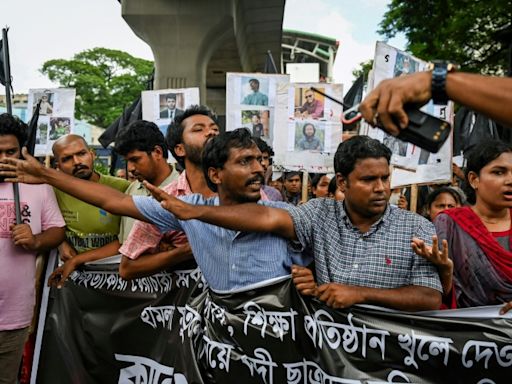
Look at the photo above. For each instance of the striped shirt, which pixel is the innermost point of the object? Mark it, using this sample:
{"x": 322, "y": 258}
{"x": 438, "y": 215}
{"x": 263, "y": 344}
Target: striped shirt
{"x": 228, "y": 259}
{"x": 379, "y": 258}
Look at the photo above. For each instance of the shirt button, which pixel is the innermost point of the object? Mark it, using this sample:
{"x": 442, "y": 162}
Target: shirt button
{"x": 233, "y": 266}
{"x": 356, "y": 266}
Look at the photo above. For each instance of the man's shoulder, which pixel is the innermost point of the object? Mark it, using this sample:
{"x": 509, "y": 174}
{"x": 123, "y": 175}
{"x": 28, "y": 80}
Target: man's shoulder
{"x": 198, "y": 199}
{"x": 399, "y": 215}
{"x": 114, "y": 182}
{"x": 319, "y": 207}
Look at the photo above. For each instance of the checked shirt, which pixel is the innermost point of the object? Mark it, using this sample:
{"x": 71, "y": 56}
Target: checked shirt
{"x": 379, "y": 258}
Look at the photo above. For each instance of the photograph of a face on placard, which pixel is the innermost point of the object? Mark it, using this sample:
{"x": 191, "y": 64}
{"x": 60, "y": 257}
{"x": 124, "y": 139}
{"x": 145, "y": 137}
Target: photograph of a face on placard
{"x": 309, "y": 136}
{"x": 254, "y": 91}
{"x": 309, "y": 104}
{"x": 171, "y": 105}
{"x": 47, "y": 103}
{"x": 257, "y": 121}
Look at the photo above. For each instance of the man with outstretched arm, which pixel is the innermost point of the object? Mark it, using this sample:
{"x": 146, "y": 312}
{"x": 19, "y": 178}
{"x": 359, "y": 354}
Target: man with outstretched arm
{"x": 362, "y": 246}
{"x": 229, "y": 260}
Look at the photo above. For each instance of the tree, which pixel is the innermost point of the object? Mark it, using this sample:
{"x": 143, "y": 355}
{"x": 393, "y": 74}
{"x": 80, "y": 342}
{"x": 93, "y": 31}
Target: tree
{"x": 106, "y": 81}
{"x": 461, "y": 31}
{"x": 364, "y": 68}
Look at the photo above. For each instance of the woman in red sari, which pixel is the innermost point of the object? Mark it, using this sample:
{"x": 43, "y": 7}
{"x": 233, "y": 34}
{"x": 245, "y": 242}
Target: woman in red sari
{"x": 479, "y": 236}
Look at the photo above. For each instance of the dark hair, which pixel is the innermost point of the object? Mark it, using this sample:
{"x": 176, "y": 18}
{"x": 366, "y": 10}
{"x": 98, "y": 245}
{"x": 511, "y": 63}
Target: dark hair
{"x": 263, "y": 146}
{"x": 290, "y": 174}
{"x": 217, "y": 149}
{"x": 358, "y": 148}
{"x": 304, "y": 128}
{"x": 316, "y": 179}
{"x": 140, "y": 135}
{"x": 175, "y": 130}
{"x": 436, "y": 192}
{"x": 12, "y": 125}
{"x": 170, "y": 96}
{"x": 332, "y": 186}
{"x": 254, "y": 80}
{"x": 481, "y": 155}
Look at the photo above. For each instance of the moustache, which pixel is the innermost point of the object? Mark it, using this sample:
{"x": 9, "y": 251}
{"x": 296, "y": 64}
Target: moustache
{"x": 258, "y": 178}
{"x": 79, "y": 167}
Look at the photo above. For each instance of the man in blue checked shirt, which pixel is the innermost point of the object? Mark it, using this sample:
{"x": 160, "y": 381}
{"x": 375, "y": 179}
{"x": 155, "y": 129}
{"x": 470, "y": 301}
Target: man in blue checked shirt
{"x": 228, "y": 259}
{"x": 362, "y": 246}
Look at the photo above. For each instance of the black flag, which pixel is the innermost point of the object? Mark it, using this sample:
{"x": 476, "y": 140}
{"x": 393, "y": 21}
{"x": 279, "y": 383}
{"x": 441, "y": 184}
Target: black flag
{"x": 32, "y": 129}
{"x": 130, "y": 114}
{"x": 2, "y": 72}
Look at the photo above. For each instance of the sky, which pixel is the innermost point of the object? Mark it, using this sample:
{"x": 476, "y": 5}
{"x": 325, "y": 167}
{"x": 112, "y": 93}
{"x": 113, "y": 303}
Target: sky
{"x": 58, "y": 29}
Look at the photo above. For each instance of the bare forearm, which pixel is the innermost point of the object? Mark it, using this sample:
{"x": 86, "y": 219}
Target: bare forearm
{"x": 410, "y": 298}
{"x": 149, "y": 264}
{"x": 96, "y": 194}
{"x": 107, "y": 250}
{"x": 249, "y": 218}
{"x": 51, "y": 238}
{"x": 491, "y": 96}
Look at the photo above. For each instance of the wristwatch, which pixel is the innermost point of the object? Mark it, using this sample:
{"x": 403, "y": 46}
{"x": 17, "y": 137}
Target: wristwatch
{"x": 440, "y": 70}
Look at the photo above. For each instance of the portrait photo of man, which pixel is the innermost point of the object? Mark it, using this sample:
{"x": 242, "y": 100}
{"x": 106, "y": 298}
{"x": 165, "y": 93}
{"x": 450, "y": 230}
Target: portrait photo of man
{"x": 169, "y": 106}
{"x": 46, "y": 107}
{"x": 312, "y": 107}
{"x": 307, "y": 137}
{"x": 255, "y": 97}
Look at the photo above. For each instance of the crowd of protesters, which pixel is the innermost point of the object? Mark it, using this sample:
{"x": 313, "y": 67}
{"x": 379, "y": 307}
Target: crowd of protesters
{"x": 340, "y": 237}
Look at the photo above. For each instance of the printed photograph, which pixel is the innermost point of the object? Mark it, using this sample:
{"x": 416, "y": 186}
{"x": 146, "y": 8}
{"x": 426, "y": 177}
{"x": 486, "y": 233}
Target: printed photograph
{"x": 309, "y": 104}
{"x": 254, "y": 91}
{"x": 257, "y": 122}
{"x": 171, "y": 105}
{"x": 309, "y": 136}
{"x": 59, "y": 126}
{"x": 47, "y": 101}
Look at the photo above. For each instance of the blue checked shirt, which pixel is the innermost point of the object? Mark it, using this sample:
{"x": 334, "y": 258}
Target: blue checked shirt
{"x": 380, "y": 258}
{"x": 228, "y": 259}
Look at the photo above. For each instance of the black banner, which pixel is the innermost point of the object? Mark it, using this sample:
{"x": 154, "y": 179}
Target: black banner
{"x": 169, "y": 328}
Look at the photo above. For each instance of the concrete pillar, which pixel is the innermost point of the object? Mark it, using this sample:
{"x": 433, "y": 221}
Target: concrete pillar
{"x": 182, "y": 34}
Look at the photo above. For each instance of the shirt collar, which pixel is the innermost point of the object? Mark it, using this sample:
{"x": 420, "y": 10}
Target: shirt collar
{"x": 183, "y": 185}
{"x": 383, "y": 219}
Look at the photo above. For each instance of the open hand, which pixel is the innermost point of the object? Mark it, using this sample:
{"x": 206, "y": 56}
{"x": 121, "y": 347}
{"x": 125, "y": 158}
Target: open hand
{"x": 28, "y": 171}
{"x": 178, "y": 208}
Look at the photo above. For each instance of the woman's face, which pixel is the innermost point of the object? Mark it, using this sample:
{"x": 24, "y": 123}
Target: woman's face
{"x": 322, "y": 188}
{"x": 443, "y": 201}
{"x": 493, "y": 186}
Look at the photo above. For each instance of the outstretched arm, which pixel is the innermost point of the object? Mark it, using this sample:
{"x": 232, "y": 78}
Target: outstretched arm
{"x": 248, "y": 217}
{"x": 30, "y": 171}
{"x": 491, "y": 96}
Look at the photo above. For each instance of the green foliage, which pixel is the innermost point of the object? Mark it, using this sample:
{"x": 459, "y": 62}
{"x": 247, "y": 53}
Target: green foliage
{"x": 101, "y": 168}
{"x": 106, "y": 81}
{"x": 363, "y": 69}
{"x": 461, "y": 31}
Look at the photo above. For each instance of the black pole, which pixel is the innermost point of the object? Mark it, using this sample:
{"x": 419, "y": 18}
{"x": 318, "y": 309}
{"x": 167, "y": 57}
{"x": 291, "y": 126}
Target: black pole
{"x": 8, "y": 103}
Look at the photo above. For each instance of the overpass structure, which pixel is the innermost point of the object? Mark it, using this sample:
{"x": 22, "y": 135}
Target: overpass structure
{"x": 196, "y": 42}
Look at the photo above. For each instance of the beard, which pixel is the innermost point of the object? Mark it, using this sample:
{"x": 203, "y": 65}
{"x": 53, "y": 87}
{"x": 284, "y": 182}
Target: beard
{"x": 82, "y": 172}
{"x": 194, "y": 154}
